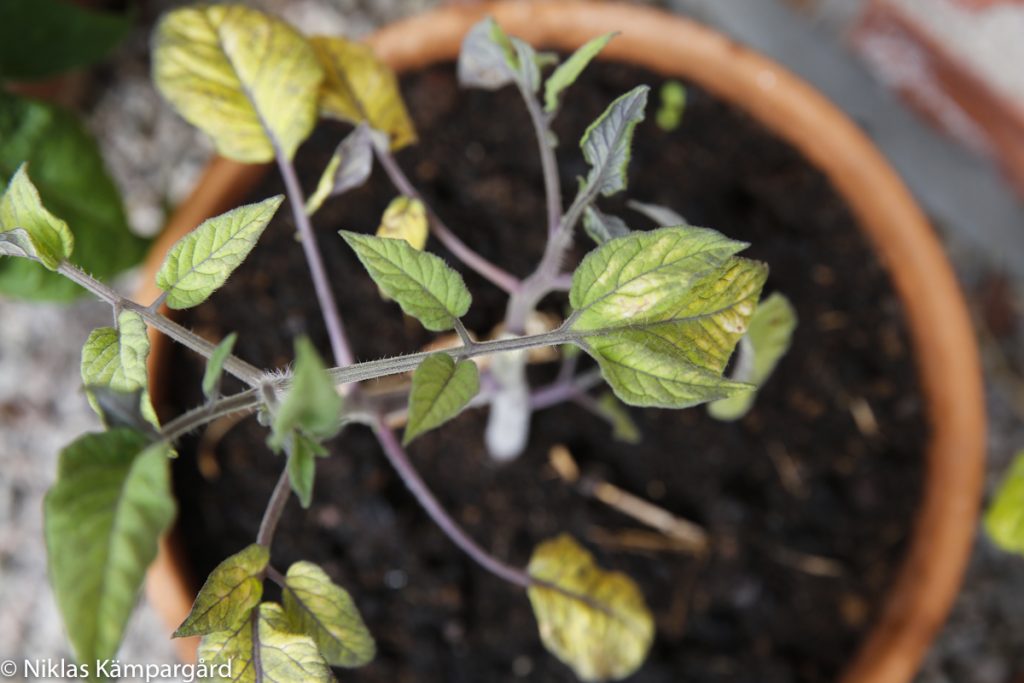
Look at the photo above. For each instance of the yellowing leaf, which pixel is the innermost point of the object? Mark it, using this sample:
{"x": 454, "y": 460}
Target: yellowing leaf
{"x": 201, "y": 261}
{"x": 233, "y": 588}
{"x": 271, "y": 646}
{"x": 594, "y": 620}
{"x": 117, "y": 359}
{"x": 359, "y": 87}
{"x": 405, "y": 219}
{"x": 441, "y": 388}
{"x": 1004, "y": 520}
{"x": 248, "y": 80}
{"x": 567, "y": 73}
{"x": 27, "y": 229}
{"x": 325, "y": 611}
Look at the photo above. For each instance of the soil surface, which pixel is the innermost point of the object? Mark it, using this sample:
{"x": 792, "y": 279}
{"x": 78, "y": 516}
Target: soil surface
{"x": 808, "y": 499}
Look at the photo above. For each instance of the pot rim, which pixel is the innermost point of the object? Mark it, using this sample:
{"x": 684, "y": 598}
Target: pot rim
{"x": 926, "y": 584}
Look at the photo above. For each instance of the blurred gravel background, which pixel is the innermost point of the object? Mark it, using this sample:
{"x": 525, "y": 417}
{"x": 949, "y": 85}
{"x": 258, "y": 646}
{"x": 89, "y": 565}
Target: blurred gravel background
{"x": 155, "y": 158}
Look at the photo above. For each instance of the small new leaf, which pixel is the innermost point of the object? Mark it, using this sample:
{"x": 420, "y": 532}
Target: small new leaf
{"x": 116, "y": 358}
{"x": 623, "y": 427}
{"x": 27, "y": 228}
{"x": 233, "y": 588}
{"x": 766, "y": 342}
{"x": 103, "y": 517}
{"x": 607, "y": 141}
{"x": 302, "y": 454}
{"x": 349, "y": 167}
{"x": 248, "y": 80}
{"x": 405, "y": 219}
{"x": 215, "y": 366}
{"x": 488, "y": 58}
{"x": 661, "y": 215}
{"x": 422, "y": 284}
{"x": 602, "y": 227}
{"x": 662, "y": 311}
{"x": 441, "y": 388}
{"x": 1004, "y": 520}
{"x": 567, "y": 72}
{"x": 201, "y": 261}
{"x": 312, "y": 404}
{"x": 604, "y": 633}
{"x": 359, "y": 87}
{"x": 325, "y": 611}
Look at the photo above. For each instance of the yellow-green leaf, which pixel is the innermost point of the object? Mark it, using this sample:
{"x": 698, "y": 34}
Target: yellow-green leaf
{"x": 215, "y": 365}
{"x": 325, "y": 611}
{"x": 229, "y": 653}
{"x": 359, "y": 87}
{"x": 602, "y": 629}
{"x": 662, "y": 311}
{"x": 201, "y": 261}
{"x": 103, "y": 517}
{"x": 441, "y": 388}
{"x": 302, "y": 454}
{"x": 623, "y": 427}
{"x": 567, "y": 72}
{"x": 422, "y": 284}
{"x": 760, "y": 350}
{"x": 312, "y": 404}
{"x": 248, "y": 80}
{"x": 116, "y": 358}
{"x": 405, "y": 219}
{"x": 1004, "y": 520}
{"x": 27, "y": 229}
{"x": 349, "y": 167}
{"x": 233, "y": 588}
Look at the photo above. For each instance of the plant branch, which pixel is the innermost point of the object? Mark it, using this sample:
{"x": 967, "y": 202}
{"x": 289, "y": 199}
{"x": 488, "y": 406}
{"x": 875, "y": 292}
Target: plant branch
{"x": 549, "y": 165}
{"x": 400, "y": 461}
{"x": 249, "y": 374}
{"x": 197, "y": 417}
{"x": 328, "y": 306}
{"x": 489, "y": 271}
{"x": 275, "y": 508}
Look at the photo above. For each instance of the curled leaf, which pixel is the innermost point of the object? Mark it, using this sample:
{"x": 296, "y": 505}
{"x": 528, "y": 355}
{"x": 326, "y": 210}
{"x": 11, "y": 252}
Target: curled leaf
{"x": 487, "y": 58}
{"x": 405, "y": 219}
{"x": 567, "y": 72}
{"x": 594, "y": 620}
{"x": 607, "y": 141}
{"x": 349, "y": 167}
{"x": 116, "y": 358}
{"x": 248, "y": 80}
{"x": 37, "y": 233}
{"x": 359, "y": 87}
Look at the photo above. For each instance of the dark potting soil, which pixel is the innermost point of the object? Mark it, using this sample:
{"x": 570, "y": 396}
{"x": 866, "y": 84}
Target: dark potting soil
{"x": 809, "y": 499}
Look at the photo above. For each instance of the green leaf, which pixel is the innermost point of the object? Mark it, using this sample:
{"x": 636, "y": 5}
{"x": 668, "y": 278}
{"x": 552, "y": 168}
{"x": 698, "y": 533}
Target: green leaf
{"x": 302, "y": 466}
{"x": 603, "y": 227}
{"x": 117, "y": 359}
{"x": 607, "y": 141}
{"x": 623, "y": 427}
{"x": 422, "y": 284}
{"x": 233, "y": 588}
{"x": 326, "y": 612}
{"x": 602, "y": 629}
{"x": 673, "y": 104}
{"x": 662, "y": 311}
{"x": 527, "y": 65}
{"x": 111, "y": 503}
{"x": 215, "y": 366}
{"x": 567, "y": 73}
{"x": 349, "y": 167}
{"x": 1004, "y": 520}
{"x": 248, "y": 80}
{"x": 73, "y": 183}
{"x": 20, "y": 207}
{"x": 281, "y": 655}
{"x": 441, "y": 388}
{"x": 312, "y": 404}
{"x": 487, "y": 58}
{"x": 661, "y": 215}
{"x": 358, "y": 87}
{"x": 40, "y": 38}
{"x": 201, "y": 261}
{"x": 766, "y": 342}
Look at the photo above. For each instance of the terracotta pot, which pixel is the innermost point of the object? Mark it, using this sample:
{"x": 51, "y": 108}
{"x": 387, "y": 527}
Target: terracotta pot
{"x": 944, "y": 344}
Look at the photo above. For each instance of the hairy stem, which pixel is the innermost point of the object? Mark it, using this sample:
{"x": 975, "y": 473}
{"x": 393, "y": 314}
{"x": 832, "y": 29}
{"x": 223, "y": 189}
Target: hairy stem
{"x": 549, "y": 165}
{"x": 275, "y": 508}
{"x": 328, "y": 306}
{"x": 249, "y": 374}
{"x": 497, "y": 276}
{"x": 400, "y": 461}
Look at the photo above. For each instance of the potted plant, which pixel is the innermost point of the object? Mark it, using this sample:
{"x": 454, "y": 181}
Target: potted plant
{"x": 594, "y": 621}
